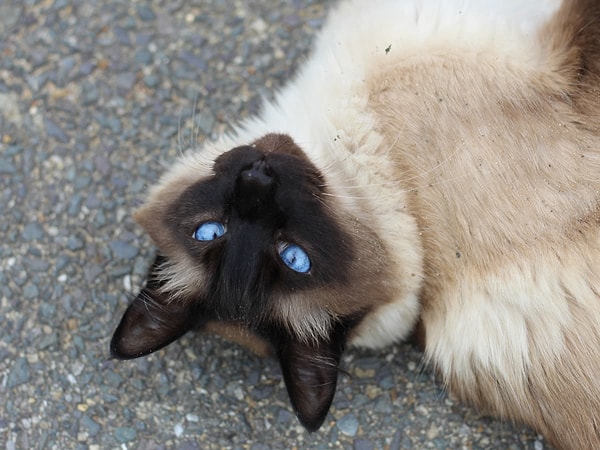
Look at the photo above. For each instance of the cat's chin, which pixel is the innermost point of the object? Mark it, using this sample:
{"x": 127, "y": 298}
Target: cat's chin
{"x": 241, "y": 336}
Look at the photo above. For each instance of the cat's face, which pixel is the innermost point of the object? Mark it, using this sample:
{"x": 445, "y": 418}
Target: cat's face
{"x": 255, "y": 241}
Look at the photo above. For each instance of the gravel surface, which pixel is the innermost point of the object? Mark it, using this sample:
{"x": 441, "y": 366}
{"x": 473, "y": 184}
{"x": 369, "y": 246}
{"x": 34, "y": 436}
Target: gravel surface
{"x": 95, "y": 98}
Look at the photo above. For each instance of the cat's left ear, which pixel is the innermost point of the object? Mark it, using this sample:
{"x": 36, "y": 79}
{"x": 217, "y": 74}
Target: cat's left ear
{"x": 310, "y": 372}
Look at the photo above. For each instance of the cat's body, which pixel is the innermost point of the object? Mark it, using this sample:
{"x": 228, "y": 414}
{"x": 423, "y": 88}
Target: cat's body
{"x": 448, "y": 155}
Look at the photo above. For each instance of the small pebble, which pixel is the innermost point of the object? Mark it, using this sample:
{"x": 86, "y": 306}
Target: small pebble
{"x": 123, "y": 250}
{"x": 125, "y": 434}
{"x": 92, "y": 427}
{"x": 30, "y": 291}
{"x": 363, "y": 444}
{"x": 19, "y": 374}
{"x": 192, "y": 418}
{"x": 178, "y": 430}
{"x": 348, "y": 425}
{"x": 32, "y": 232}
{"x": 55, "y": 131}
{"x": 145, "y": 13}
{"x": 7, "y": 166}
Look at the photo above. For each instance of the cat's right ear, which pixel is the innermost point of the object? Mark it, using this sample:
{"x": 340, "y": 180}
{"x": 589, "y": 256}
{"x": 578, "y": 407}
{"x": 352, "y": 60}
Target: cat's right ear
{"x": 149, "y": 324}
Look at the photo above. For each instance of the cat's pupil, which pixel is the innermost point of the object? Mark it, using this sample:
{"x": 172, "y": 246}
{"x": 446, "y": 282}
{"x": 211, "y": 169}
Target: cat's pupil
{"x": 209, "y": 231}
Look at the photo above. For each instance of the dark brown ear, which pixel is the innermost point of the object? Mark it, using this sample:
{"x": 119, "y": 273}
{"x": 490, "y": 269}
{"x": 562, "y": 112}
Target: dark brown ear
{"x": 149, "y": 324}
{"x": 310, "y": 372}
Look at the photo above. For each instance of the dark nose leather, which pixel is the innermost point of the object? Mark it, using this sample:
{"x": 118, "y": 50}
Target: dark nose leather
{"x": 258, "y": 178}
{"x": 254, "y": 190}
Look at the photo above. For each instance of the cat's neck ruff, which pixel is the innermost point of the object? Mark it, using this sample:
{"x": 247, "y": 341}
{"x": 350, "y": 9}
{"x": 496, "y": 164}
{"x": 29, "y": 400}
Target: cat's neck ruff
{"x": 357, "y": 42}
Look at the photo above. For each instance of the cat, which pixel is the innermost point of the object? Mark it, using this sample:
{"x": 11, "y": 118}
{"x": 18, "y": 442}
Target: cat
{"x": 433, "y": 168}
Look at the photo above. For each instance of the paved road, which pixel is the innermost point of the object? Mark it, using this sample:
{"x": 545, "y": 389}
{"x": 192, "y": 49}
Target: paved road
{"x": 95, "y": 97}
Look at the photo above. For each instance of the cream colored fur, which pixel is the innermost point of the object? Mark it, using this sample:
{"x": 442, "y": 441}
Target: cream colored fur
{"x": 447, "y": 127}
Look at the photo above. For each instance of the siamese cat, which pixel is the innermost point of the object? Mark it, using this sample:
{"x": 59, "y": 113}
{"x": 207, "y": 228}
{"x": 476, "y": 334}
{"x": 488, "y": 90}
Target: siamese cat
{"x": 434, "y": 166}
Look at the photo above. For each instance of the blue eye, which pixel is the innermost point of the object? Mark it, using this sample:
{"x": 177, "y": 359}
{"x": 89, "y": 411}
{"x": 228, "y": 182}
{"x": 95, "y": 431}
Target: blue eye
{"x": 209, "y": 231}
{"x": 294, "y": 257}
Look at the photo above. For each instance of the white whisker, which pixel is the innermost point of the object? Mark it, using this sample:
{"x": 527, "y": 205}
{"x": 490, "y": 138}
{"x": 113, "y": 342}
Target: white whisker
{"x": 194, "y": 137}
{"x": 180, "y": 138}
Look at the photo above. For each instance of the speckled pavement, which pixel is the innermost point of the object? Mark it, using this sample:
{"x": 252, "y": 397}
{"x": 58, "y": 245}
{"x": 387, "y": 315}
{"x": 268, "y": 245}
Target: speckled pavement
{"x": 96, "y": 97}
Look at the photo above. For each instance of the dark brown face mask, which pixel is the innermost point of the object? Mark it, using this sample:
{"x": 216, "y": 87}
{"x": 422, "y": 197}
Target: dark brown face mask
{"x": 264, "y": 234}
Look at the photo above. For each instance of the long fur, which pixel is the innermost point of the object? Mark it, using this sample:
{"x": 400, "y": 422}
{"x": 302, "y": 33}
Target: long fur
{"x": 465, "y": 135}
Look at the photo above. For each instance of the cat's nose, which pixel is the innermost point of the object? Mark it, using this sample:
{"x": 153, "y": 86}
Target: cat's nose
{"x": 257, "y": 178}
{"x": 254, "y": 192}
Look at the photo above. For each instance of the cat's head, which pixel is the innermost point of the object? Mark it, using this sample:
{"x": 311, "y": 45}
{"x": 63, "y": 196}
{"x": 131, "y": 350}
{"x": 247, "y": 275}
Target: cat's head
{"x": 254, "y": 240}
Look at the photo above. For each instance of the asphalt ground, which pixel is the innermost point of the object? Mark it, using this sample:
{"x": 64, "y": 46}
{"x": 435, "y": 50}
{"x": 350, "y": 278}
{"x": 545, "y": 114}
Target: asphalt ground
{"x": 96, "y": 98}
